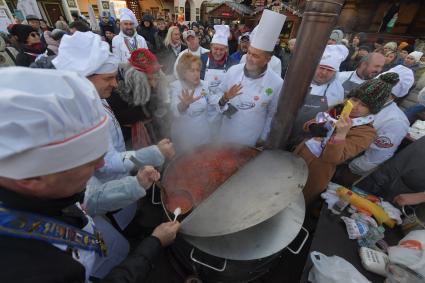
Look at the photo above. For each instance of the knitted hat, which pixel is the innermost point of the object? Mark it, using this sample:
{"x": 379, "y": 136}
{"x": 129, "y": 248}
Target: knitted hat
{"x": 416, "y": 55}
{"x": 22, "y": 32}
{"x": 144, "y": 61}
{"x": 337, "y": 35}
{"x": 403, "y": 45}
{"x": 375, "y": 93}
{"x": 391, "y": 45}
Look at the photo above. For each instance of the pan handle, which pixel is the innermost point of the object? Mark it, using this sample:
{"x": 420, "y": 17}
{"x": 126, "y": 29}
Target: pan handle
{"x": 307, "y": 234}
{"x": 207, "y": 265}
{"x": 153, "y": 195}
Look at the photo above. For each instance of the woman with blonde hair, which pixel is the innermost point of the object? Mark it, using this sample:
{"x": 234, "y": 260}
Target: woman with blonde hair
{"x": 172, "y": 47}
{"x": 191, "y": 105}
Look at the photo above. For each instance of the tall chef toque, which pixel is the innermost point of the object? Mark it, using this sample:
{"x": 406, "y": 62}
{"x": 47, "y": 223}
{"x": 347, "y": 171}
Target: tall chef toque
{"x": 406, "y": 80}
{"x": 221, "y": 36}
{"x": 86, "y": 54}
{"x": 56, "y": 126}
{"x": 333, "y": 56}
{"x": 267, "y": 32}
{"x": 128, "y": 15}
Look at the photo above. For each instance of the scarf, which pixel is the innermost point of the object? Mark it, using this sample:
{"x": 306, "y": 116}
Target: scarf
{"x": 34, "y": 49}
{"x": 130, "y": 41}
{"x": 217, "y": 63}
{"x": 176, "y": 48}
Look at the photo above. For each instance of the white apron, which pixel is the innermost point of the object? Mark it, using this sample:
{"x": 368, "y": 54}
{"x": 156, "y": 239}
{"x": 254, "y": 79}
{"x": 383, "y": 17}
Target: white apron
{"x": 246, "y": 125}
{"x": 214, "y": 77}
{"x": 191, "y": 128}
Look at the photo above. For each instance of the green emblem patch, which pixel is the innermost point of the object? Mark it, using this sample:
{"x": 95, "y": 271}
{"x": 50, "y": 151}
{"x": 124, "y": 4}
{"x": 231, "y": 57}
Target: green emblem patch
{"x": 269, "y": 91}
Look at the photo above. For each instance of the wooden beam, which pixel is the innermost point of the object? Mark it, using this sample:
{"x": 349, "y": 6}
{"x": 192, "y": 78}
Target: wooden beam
{"x": 319, "y": 19}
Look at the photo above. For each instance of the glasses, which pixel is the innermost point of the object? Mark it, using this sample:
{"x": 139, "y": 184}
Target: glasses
{"x": 34, "y": 34}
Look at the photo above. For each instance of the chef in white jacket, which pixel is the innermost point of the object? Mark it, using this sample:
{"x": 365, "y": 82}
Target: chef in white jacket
{"x": 275, "y": 64}
{"x": 86, "y": 54}
{"x": 192, "y": 105}
{"x": 325, "y": 90}
{"x": 369, "y": 67}
{"x": 391, "y": 126}
{"x": 127, "y": 40}
{"x": 111, "y": 188}
{"x": 250, "y": 91}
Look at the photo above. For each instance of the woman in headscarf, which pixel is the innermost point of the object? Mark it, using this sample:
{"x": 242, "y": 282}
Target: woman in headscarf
{"x": 141, "y": 100}
{"x": 336, "y": 139}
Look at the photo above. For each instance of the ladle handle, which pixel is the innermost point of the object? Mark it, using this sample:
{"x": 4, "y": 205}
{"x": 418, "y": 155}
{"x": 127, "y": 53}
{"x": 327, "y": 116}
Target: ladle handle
{"x": 307, "y": 234}
{"x": 153, "y": 195}
{"x": 207, "y": 265}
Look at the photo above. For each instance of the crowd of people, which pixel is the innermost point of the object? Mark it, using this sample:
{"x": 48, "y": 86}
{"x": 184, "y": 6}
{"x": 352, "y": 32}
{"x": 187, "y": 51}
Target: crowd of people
{"x": 87, "y": 100}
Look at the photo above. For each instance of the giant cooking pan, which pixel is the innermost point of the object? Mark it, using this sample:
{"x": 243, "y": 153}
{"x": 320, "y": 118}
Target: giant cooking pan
{"x": 254, "y": 210}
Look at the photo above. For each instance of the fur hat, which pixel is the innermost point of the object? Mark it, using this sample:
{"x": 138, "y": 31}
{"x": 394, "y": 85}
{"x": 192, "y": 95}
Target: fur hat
{"x": 375, "y": 93}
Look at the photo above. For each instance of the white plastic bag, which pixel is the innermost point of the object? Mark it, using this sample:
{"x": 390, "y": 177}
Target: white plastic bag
{"x": 333, "y": 269}
{"x": 410, "y": 251}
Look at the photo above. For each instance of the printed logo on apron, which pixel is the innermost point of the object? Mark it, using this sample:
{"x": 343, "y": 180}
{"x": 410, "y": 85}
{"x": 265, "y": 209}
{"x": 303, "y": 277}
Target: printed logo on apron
{"x": 245, "y": 105}
{"x": 214, "y": 77}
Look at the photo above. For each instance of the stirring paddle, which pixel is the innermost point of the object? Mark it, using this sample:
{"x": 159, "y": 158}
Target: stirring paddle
{"x": 176, "y": 213}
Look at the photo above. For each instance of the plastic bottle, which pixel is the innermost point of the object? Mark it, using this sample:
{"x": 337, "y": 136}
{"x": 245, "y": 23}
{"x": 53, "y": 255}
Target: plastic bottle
{"x": 374, "y": 235}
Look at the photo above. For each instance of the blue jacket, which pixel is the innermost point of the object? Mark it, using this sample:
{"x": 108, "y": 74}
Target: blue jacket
{"x": 227, "y": 64}
{"x": 237, "y": 56}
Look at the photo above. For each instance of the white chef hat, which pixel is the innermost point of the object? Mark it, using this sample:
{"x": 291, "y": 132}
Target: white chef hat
{"x": 417, "y": 55}
{"x": 333, "y": 56}
{"x": 406, "y": 81}
{"x": 56, "y": 126}
{"x": 267, "y": 32}
{"x": 221, "y": 35}
{"x": 86, "y": 54}
{"x": 128, "y": 15}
